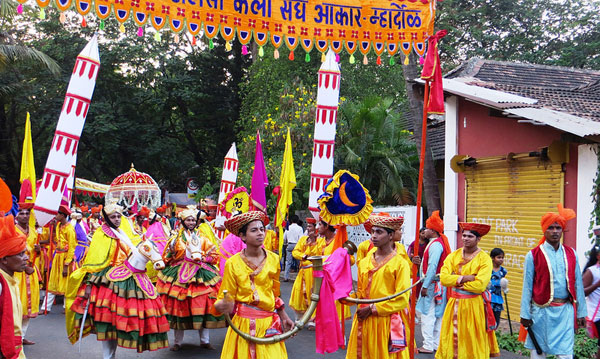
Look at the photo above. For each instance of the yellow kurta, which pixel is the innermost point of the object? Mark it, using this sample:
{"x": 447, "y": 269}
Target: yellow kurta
{"x": 370, "y": 338}
{"x": 328, "y": 249}
{"x": 271, "y": 243}
{"x": 13, "y": 288}
{"x": 259, "y": 291}
{"x": 466, "y": 317}
{"x": 300, "y": 296}
{"x": 63, "y": 247}
{"x": 363, "y": 248}
{"x": 29, "y": 285}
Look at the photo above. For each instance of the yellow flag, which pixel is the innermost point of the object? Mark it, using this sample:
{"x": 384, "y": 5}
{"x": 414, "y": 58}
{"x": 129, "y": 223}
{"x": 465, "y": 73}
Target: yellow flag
{"x": 287, "y": 182}
{"x": 27, "y": 166}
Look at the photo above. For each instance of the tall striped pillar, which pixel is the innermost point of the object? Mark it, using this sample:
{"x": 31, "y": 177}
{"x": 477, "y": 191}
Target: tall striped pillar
{"x": 63, "y": 152}
{"x": 228, "y": 181}
{"x": 328, "y": 94}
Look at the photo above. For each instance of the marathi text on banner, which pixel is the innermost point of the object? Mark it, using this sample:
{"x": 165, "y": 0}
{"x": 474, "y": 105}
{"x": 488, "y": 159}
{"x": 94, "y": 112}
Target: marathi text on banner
{"x": 363, "y": 25}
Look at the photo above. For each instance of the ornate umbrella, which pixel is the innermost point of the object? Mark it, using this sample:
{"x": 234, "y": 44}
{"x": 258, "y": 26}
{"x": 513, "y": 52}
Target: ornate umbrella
{"x": 134, "y": 186}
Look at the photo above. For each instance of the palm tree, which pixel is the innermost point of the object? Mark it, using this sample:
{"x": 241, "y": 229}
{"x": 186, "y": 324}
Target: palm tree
{"x": 12, "y": 53}
{"x": 376, "y": 147}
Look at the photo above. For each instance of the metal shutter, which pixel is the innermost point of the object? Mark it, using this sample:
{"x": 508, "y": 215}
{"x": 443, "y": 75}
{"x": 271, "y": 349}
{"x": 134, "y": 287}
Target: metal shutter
{"x": 512, "y": 196}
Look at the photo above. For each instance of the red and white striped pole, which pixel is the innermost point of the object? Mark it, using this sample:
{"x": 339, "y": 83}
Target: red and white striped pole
{"x": 63, "y": 153}
{"x": 328, "y": 94}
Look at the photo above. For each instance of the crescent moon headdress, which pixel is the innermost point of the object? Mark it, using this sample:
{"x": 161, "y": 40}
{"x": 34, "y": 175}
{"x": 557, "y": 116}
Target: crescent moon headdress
{"x": 345, "y": 201}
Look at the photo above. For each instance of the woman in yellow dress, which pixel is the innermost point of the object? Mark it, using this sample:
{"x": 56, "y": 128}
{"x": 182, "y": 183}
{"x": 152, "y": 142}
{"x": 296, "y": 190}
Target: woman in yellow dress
{"x": 466, "y": 332}
{"x": 251, "y": 279}
{"x": 307, "y": 246}
{"x": 378, "y": 329}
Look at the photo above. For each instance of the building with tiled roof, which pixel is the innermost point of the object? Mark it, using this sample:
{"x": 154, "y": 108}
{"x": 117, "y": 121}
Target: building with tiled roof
{"x": 518, "y": 140}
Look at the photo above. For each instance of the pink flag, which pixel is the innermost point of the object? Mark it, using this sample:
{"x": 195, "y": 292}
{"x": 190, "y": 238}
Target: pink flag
{"x": 259, "y": 178}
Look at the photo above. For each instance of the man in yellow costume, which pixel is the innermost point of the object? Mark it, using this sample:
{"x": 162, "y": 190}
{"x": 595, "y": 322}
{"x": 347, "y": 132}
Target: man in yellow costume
{"x": 378, "y": 330}
{"x": 307, "y": 246}
{"x": 13, "y": 259}
{"x": 468, "y": 322}
{"x": 251, "y": 279}
{"x": 63, "y": 249}
{"x": 29, "y": 279}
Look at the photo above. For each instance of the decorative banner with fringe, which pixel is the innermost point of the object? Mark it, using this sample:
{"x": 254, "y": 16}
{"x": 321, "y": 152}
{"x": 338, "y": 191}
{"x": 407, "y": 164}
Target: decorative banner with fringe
{"x": 380, "y": 25}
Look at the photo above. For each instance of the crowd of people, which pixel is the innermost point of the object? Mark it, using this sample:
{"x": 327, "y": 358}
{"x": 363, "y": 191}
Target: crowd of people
{"x": 130, "y": 275}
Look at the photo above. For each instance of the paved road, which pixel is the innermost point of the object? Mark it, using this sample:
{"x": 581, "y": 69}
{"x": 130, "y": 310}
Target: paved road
{"x": 49, "y": 334}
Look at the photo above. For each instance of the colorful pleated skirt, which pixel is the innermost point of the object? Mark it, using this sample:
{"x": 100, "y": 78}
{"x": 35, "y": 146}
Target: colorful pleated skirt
{"x": 189, "y": 290}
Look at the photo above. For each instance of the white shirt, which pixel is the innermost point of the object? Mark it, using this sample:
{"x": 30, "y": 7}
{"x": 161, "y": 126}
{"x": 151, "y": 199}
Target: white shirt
{"x": 293, "y": 234}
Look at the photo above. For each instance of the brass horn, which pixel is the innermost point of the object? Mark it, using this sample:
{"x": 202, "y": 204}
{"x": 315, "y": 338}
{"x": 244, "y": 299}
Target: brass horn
{"x": 383, "y": 299}
{"x": 317, "y": 263}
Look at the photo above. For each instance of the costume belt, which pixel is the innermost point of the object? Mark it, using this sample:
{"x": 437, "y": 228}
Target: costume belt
{"x": 487, "y": 304}
{"x": 306, "y": 266}
{"x": 252, "y": 313}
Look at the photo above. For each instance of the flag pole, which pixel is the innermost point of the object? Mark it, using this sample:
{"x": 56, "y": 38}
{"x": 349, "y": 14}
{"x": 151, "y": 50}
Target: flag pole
{"x": 415, "y": 269}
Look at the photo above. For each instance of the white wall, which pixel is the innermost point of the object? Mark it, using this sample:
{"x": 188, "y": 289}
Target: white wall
{"x": 587, "y": 164}
{"x": 450, "y": 177}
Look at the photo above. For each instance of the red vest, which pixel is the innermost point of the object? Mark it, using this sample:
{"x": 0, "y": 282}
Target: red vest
{"x": 425, "y": 261}
{"x": 8, "y": 341}
{"x": 543, "y": 286}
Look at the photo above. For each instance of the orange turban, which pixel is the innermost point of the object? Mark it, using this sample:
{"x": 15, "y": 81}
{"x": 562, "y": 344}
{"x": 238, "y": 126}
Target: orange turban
{"x": 435, "y": 222}
{"x": 11, "y": 241}
{"x": 563, "y": 215}
{"x": 145, "y": 211}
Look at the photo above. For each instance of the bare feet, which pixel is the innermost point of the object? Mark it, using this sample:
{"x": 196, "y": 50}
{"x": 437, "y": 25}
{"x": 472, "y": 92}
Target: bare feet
{"x": 27, "y": 342}
{"x": 176, "y": 348}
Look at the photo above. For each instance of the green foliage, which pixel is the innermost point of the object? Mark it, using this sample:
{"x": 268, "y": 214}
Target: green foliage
{"x": 168, "y": 107}
{"x": 510, "y": 343}
{"x": 379, "y": 150}
{"x": 278, "y": 93}
{"x": 584, "y": 347}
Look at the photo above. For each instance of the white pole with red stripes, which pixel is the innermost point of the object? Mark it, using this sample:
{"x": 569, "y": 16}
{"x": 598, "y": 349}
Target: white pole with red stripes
{"x": 63, "y": 152}
{"x": 228, "y": 181}
{"x": 328, "y": 94}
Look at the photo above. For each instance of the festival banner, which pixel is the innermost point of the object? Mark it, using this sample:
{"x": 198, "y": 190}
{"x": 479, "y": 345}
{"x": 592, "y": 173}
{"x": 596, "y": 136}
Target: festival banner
{"x": 351, "y": 25}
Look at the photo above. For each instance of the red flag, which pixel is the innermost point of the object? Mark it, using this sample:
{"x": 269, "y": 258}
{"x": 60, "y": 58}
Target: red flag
{"x": 432, "y": 72}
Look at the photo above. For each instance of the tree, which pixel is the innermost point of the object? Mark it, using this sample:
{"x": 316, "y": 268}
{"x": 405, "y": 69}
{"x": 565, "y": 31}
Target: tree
{"x": 14, "y": 57}
{"x": 379, "y": 150}
{"x": 168, "y": 107}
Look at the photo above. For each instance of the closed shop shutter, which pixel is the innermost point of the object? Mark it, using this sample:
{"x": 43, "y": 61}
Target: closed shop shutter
{"x": 512, "y": 196}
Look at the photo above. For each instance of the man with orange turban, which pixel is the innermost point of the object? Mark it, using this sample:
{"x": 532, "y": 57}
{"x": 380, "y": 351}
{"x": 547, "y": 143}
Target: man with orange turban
{"x": 64, "y": 244}
{"x": 13, "y": 258}
{"x": 553, "y": 293}
{"x": 432, "y": 299}
{"x": 29, "y": 279}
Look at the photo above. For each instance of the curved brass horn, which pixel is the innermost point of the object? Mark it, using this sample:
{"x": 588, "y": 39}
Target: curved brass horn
{"x": 383, "y": 299}
{"x": 317, "y": 263}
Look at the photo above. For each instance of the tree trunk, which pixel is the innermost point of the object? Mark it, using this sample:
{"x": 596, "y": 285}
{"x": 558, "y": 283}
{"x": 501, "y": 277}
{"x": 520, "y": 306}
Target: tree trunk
{"x": 414, "y": 93}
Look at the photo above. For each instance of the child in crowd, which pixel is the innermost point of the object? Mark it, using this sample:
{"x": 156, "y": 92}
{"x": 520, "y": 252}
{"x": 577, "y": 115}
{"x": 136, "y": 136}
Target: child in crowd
{"x": 498, "y": 273}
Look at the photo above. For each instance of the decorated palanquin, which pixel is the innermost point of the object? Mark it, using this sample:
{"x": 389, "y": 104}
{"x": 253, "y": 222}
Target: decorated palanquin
{"x": 354, "y": 25}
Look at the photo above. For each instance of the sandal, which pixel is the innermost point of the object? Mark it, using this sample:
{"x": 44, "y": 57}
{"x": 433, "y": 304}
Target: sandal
{"x": 424, "y": 351}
